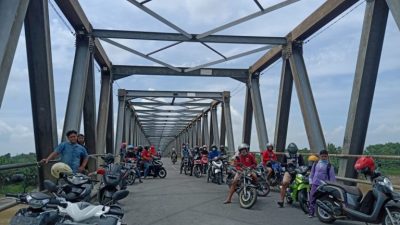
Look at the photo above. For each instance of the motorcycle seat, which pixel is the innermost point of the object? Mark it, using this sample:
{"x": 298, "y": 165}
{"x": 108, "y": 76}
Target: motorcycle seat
{"x": 349, "y": 189}
{"x": 39, "y": 196}
{"x": 83, "y": 205}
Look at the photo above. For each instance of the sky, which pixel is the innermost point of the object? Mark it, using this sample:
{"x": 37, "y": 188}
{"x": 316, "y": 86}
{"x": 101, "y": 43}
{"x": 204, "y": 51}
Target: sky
{"x": 330, "y": 56}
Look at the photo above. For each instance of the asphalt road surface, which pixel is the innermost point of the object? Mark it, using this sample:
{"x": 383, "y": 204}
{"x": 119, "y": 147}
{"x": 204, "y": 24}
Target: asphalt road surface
{"x": 184, "y": 200}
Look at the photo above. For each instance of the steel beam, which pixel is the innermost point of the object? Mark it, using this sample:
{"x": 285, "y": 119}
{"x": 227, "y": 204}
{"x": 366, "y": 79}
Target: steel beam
{"x": 127, "y": 123}
{"x": 121, "y": 71}
{"x": 110, "y": 126}
{"x": 318, "y": 19}
{"x": 283, "y": 109}
{"x": 12, "y": 14}
{"x": 311, "y": 120}
{"x": 104, "y": 102}
{"x": 258, "y": 112}
{"x": 173, "y": 94}
{"x": 158, "y": 36}
{"x": 394, "y": 6}
{"x": 228, "y": 123}
{"x": 214, "y": 124}
{"x": 169, "y": 104}
{"x": 246, "y": 18}
{"x": 181, "y": 111}
{"x": 132, "y": 129}
{"x": 77, "y": 89}
{"x": 89, "y": 114}
{"x": 38, "y": 47}
{"x": 222, "y": 133}
{"x": 369, "y": 55}
{"x": 247, "y": 116}
{"x": 74, "y": 13}
{"x": 205, "y": 131}
{"x": 199, "y": 134}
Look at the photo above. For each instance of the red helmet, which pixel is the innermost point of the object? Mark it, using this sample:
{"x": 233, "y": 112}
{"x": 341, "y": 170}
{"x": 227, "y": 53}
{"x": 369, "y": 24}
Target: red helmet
{"x": 365, "y": 164}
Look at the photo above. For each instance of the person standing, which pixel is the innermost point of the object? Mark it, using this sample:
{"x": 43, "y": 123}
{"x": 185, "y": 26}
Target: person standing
{"x": 320, "y": 171}
{"x": 72, "y": 153}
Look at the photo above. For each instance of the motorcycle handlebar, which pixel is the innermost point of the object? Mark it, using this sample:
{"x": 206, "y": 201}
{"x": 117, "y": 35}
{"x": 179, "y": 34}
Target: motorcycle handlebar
{"x": 57, "y": 202}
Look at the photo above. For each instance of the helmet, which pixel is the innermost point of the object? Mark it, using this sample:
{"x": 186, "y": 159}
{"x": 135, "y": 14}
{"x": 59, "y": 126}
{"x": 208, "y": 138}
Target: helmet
{"x": 60, "y": 167}
{"x": 222, "y": 146}
{"x": 365, "y": 164}
{"x": 214, "y": 147}
{"x": 270, "y": 146}
{"x": 140, "y": 148}
{"x": 292, "y": 148}
{"x": 130, "y": 147}
{"x": 312, "y": 158}
{"x": 109, "y": 158}
{"x": 243, "y": 146}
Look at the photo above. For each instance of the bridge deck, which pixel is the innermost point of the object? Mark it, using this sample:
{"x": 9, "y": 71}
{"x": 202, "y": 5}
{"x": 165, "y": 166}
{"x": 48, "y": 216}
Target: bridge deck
{"x": 180, "y": 199}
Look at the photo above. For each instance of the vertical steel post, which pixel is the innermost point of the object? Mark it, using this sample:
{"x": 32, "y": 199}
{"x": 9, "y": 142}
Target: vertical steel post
{"x": 314, "y": 131}
{"x": 120, "y": 119}
{"x": 247, "y": 117}
{"x": 89, "y": 114}
{"x": 127, "y": 123}
{"x": 38, "y": 47}
{"x": 106, "y": 87}
{"x": 258, "y": 111}
{"x": 132, "y": 131}
{"x": 73, "y": 114}
{"x": 110, "y": 127}
{"x": 206, "y": 137}
{"x": 228, "y": 123}
{"x": 214, "y": 124}
{"x": 12, "y": 14}
{"x": 199, "y": 135}
{"x": 223, "y": 127}
{"x": 283, "y": 109}
{"x": 369, "y": 55}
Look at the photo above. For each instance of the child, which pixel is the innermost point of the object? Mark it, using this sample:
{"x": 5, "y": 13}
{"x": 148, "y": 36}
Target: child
{"x": 321, "y": 170}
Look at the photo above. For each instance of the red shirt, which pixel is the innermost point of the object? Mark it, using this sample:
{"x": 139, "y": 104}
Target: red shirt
{"x": 145, "y": 155}
{"x": 268, "y": 156}
{"x": 247, "y": 161}
{"x": 153, "y": 151}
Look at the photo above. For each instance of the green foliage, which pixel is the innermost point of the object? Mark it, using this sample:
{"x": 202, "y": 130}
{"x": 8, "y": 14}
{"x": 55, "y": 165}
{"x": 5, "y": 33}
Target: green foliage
{"x": 30, "y": 173}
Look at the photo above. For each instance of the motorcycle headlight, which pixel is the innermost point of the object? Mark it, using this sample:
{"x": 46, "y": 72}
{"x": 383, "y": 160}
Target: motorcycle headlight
{"x": 387, "y": 183}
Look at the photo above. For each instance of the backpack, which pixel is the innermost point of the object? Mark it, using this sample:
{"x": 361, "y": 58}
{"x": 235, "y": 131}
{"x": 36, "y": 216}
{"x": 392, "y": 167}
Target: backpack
{"x": 328, "y": 169}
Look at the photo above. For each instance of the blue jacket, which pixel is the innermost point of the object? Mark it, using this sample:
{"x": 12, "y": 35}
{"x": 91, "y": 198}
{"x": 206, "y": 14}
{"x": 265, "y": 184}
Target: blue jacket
{"x": 212, "y": 154}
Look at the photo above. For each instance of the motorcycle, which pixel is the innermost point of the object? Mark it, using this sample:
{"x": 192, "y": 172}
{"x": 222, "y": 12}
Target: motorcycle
{"x": 204, "y": 163}
{"x": 186, "y": 166}
{"x": 299, "y": 188}
{"x": 276, "y": 176}
{"x": 156, "y": 168}
{"x": 380, "y": 205}
{"x": 74, "y": 188}
{"x": 114, "y": 175}
{"x": 174, "y": 159}
{"x": 131, "y": 167}
{"x": 44, "y": 209}
{"x": 215, "y": 171}
{"x": 263, "y": 187}
{"x": 246, "y": 190}
{"x": 197, "y": 166}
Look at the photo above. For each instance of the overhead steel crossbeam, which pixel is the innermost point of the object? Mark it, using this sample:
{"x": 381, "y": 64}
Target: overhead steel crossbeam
{"x": 177, "y": 37}
{"x": 200, "y": 36}
{"x": 131, "y": 94}
{"x": 121, "y": 71}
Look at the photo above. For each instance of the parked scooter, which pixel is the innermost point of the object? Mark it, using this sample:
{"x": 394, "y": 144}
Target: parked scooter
{"x": 215, "y": 171}
{"x": 379, "y": 205}
{"x": 299, "y": 188}
{"x": 114, "y": 176}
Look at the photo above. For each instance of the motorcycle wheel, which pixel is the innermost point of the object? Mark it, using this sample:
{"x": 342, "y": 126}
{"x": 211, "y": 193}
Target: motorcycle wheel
{"x": 289, "y": 198}
{"x": 162, "y": 173}
{"x": 303, "y": 200}
{"x": 247, "y": 198}
{"x": 218, "y": 177}
{"x": 395, "y": 213}
{"x": 197, "y": 172}
{"x": 186, "y": 170}
{"x": 208, "y": 176}
{"x": 131, "y": 178}
{"x": 322, "y": 215}
{"x": 263, "y": 189}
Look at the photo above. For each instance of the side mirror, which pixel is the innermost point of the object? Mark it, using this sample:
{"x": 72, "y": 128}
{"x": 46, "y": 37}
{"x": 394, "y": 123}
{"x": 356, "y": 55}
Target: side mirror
{"x": 120, "y": 195}
{"x": 50, "y": 186}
